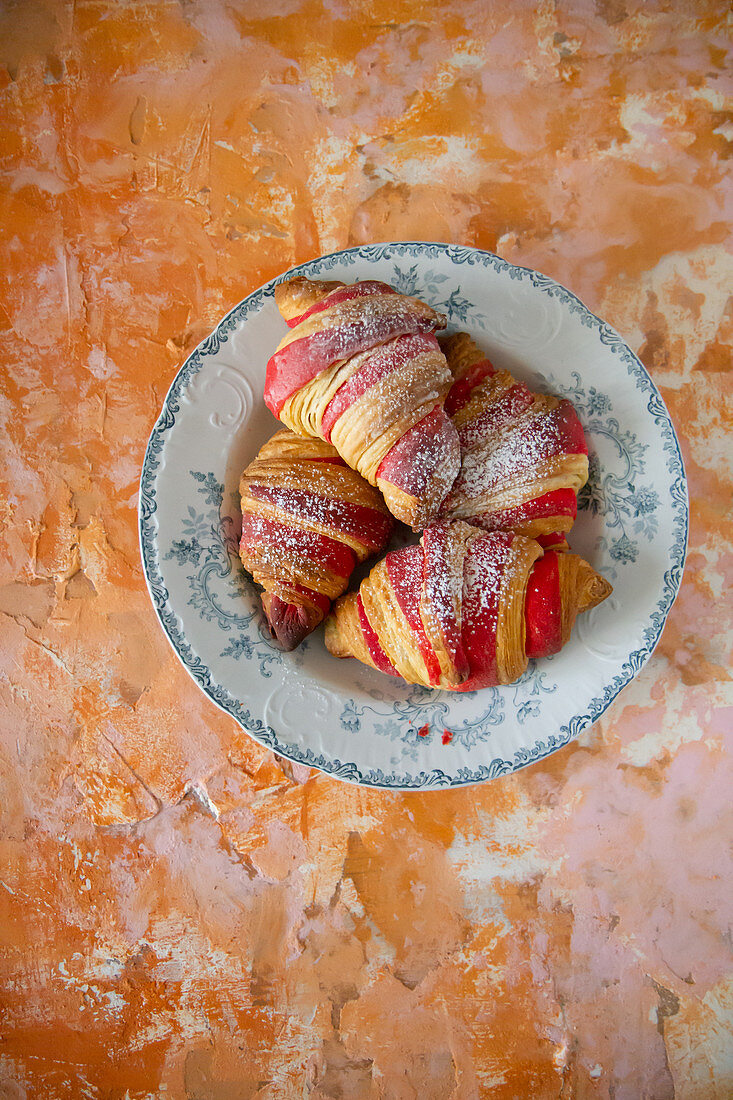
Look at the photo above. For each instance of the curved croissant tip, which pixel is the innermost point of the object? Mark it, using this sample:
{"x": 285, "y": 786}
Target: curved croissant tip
{"x": 593, "y": 589}
{"x": 335, "y": 642}
{"x": 289, "y": 622}
{"x": 295, "y": 296}
{"x": 460, "y": 351}
{"x": 285, "y": 290}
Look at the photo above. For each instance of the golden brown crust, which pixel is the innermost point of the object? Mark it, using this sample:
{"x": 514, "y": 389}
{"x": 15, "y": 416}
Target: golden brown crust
{"x": 390, "y": 625}
{"x": 511, "y": 659}
{"x": 581, "y": 588}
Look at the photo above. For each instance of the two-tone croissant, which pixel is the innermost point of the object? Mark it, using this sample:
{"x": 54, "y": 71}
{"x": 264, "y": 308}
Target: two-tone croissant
{"x": 464, "y": 609}
{"x": 363, "y": 370}
{"x": 307, "y": 520}
{"x": 524, "y": 455}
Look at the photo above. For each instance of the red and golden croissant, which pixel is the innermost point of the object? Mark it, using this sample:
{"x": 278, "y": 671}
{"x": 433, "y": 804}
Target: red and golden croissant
{"x": 524, "y": 455}
{"x": 362, "y": 369}
{"x": 307, "y": 519}
{"x": 464, "y": 609}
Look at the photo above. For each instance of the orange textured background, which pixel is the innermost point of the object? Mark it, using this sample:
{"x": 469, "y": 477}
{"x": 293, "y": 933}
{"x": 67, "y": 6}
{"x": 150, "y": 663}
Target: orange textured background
{"x": 266, "y": 933}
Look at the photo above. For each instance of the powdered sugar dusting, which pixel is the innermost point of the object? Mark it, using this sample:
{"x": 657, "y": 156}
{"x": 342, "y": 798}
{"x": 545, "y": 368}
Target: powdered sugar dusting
{"x": 420, "y": 377}
{"x": 444, "y": 548}
{"x": 411, "y": 568}
{"x": 364, "y": 527}
{"x": 372, "y": 367}
{"x": 290, "y": 499}
{"x": 508, "y": 457}
{"x": 365, "y": 319}
{"x": 489, "y": 567}
{"x": 276, "y": 543}
{"x": 445, "y": 591}
{"x": 425, "y": 461}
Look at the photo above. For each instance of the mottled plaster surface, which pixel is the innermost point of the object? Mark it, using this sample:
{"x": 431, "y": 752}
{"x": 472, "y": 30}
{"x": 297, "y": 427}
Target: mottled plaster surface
{"x": 181, "y": 914}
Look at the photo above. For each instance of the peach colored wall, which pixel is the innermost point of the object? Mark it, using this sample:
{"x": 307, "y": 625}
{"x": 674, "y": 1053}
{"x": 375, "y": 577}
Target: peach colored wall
{"x": 562, "y": 932}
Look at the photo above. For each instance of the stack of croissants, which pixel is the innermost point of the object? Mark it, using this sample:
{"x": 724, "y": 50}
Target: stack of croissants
{"x": 383, "y": 422}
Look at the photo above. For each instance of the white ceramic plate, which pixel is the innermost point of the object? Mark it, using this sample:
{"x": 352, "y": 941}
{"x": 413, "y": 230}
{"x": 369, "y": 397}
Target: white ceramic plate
{"x": 340, "y": 716}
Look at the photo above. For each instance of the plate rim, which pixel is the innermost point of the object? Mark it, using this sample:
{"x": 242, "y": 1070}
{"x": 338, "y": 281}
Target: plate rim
{"x": 436, "y": 779}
